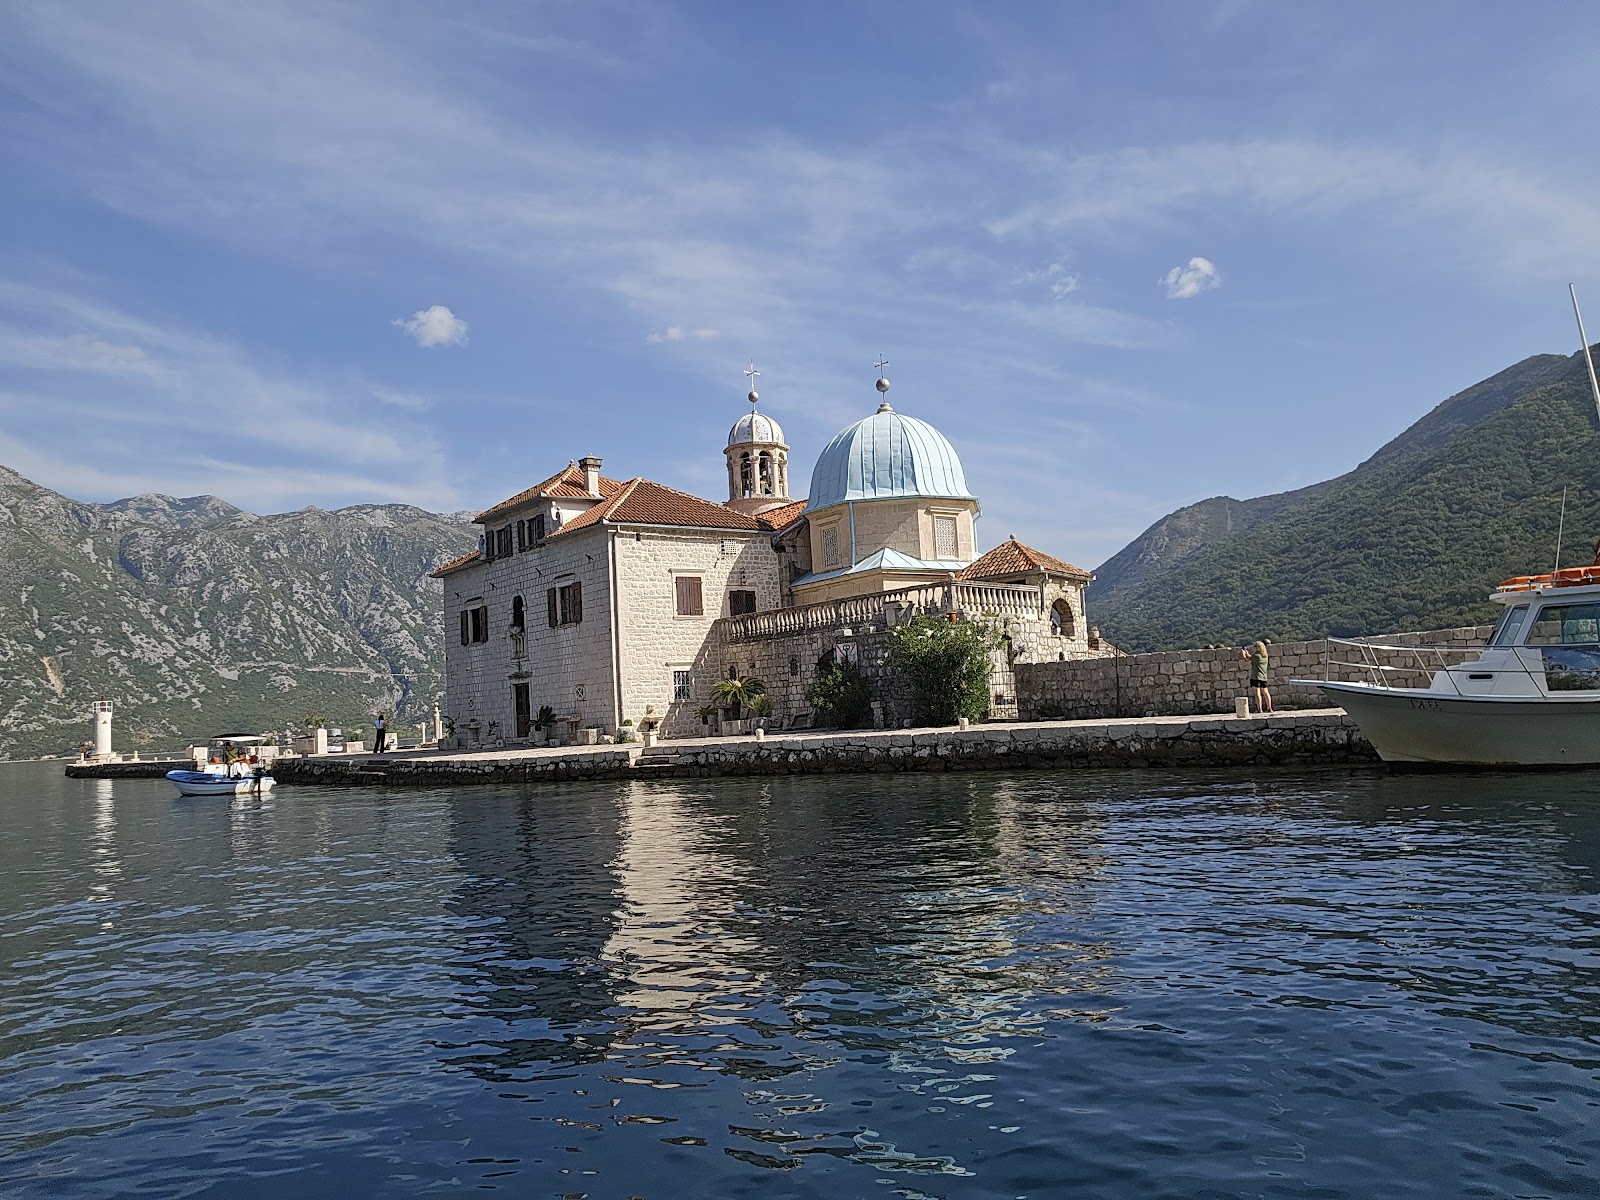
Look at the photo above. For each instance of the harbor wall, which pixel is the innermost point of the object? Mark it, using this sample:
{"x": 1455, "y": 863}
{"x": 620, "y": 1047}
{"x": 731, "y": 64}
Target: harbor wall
{"x": 1326, "y": 736}
{"x": 1186, "y": 682}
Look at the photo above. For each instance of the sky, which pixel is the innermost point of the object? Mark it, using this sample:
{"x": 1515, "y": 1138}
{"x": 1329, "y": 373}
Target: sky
{"x": 1125, "y": 256}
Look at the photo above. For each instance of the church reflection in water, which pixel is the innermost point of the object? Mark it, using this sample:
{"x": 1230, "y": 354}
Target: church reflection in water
{"x": 738, "y": 925}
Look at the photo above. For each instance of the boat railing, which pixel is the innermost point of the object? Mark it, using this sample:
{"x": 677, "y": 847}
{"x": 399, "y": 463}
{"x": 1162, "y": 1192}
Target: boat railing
{"x": 1379, "y": 663}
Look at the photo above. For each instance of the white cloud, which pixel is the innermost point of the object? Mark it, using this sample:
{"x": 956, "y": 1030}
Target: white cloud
{"x": 1056, "y": 277}
{"x": 677, "y": 333}
{"x": 435, "y": 326}
{"x": 250, "y": 432}
{"x": 1187, "y": 282}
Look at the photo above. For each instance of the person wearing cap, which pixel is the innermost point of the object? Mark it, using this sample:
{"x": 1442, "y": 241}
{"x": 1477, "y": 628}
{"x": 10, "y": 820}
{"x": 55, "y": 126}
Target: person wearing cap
{"x": 1257, "y": 654}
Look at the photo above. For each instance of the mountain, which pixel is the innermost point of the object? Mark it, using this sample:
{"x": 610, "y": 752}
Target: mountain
{"x": 196, "y": 617}
{"x": 1413, "y": 538}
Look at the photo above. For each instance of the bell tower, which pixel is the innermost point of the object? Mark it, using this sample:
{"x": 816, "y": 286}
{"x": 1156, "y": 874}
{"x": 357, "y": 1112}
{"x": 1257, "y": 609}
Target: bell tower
{"x": 758, "y": 459}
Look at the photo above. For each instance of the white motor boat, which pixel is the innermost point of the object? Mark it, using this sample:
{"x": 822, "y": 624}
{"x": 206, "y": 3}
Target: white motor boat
{"x": 1529, "y": 698}
{"x": 245, "y": 775}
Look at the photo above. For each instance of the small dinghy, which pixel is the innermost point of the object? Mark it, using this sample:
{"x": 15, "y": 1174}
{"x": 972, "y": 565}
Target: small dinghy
{"x": 210, "y": 783}
{"x": 237, "y": 766}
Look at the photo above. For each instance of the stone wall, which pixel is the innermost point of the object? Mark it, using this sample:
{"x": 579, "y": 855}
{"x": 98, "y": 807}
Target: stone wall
{"x": 1207, "y": 681}
{"x": 654, "y": 640}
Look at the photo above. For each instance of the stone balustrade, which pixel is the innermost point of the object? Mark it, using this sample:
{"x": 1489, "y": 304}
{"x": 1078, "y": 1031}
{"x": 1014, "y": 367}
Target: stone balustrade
{"x": 885, "y": 608}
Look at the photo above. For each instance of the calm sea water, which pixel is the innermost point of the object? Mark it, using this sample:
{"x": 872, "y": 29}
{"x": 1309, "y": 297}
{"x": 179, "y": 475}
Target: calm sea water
{"x": 1135, "y": 984}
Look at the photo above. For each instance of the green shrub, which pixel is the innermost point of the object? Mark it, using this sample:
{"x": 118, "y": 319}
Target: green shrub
{"x": 947, "y": 666}
{"x": 840, "y": 696}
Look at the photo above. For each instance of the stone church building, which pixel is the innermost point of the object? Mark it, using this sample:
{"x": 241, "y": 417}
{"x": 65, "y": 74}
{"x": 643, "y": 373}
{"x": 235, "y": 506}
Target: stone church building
{"x": 600, "y": 598}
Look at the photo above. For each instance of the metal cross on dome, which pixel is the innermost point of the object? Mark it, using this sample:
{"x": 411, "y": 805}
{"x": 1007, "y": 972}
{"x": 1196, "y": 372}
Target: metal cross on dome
{"x": 881, "y": 364}
{"x": 752, "y": 375}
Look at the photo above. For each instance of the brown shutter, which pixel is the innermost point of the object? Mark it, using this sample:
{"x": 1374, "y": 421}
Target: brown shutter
{"x": 690, "y": 600}
{"x": 550, "y": 600}
{"x": 577, "y": 603}
{"x": 466, "y": 627}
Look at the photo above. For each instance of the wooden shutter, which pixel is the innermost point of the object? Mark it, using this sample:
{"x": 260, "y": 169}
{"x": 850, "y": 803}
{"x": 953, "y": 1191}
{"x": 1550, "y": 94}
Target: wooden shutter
{"x": 690, "y": 601}
{"x": 466, "y": 627}
{"x": 550, "y": 600}
{"x": 577, "y": 602}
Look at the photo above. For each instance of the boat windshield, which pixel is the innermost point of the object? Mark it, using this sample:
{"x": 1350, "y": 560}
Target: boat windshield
{"x": 1510, "y": 627}
{"x": 1566, "y": 625}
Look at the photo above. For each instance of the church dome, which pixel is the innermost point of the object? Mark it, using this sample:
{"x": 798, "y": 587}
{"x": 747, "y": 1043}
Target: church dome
{"x": 755, "y": 427}
{"x": 883, "y": 456}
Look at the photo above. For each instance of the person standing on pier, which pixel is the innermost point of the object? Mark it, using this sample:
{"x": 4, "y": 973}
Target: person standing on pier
{"x": 381, "y": 742}
{"x": 1257, "y": 654}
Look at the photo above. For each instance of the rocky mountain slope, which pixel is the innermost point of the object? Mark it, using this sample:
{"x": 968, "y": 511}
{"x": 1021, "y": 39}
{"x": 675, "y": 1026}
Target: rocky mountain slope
{"x": 196, "y": 617}
{"x": 1411, "y": 539}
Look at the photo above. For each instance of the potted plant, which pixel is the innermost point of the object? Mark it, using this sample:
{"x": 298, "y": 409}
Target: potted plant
{"x": 705, "y": 712}
{"x": 733, "y": 696}
{"x": 544, "y": 723}
{"x": 625, "y": 734}
{"x": 760, "y": 711}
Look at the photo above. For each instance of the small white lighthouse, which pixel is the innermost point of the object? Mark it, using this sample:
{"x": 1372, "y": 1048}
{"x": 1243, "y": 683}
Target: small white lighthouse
{"x": 102, "y": 729}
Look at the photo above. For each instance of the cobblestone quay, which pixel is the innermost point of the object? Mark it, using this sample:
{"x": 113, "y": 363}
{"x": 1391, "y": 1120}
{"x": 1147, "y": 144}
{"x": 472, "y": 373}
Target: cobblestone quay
{"x": 1318, "y": 736}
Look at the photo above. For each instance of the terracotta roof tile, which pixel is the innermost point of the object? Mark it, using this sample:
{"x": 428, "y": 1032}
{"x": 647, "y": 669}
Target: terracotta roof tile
{"x": 644, "y": 502}
{"x": 1013, "y": 558}
{"x": 567, "y": 484}
{"x": 781, "y": 518}
{"x": 454, "y": 564}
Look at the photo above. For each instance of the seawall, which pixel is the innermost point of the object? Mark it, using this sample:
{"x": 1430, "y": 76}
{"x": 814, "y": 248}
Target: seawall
{"x": 1322, "y": 736}
{"x": 1173, "y": 682}
{"x": 154, "y": 768}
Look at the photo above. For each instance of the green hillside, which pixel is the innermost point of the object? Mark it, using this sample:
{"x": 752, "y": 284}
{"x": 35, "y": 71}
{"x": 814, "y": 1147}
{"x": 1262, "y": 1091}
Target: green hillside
{"x": 195, "y": 617}
{"x": 1412, "y": 539}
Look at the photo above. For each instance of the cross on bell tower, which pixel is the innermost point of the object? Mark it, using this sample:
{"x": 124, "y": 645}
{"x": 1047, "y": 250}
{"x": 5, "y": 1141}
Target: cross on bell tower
{"x": 758, "y": 458}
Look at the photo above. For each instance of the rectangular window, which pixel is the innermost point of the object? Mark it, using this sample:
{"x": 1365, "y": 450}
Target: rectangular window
{"x": 466, "y": 627}
{"x": 538, "y": 528}
{"x": 502, "y": 539}
{"x": 741, "y": 602}
{"x": 690, "y": 600}
{"x": 1510, "y": 626}
{"x": 682, "y": 685}
{"x": 944, "y": 538}
{"x": 565, "y": 604}
{"x": 1566, "y": 625}
{"x": 480, "y": 624}
{"x": 830, "y": 547}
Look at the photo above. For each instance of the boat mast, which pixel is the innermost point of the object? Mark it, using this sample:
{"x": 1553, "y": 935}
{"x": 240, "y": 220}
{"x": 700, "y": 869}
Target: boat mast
{"x": 1583, "y": 339}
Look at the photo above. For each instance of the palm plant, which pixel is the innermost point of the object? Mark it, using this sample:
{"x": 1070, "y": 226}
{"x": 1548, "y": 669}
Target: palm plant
{"x": 732, "y": 695}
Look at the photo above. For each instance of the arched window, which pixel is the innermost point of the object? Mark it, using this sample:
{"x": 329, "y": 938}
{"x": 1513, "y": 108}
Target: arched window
{"x": 517, "y": 612}
{"x": 746, "y": 478}
{"x": 1062, "y": 623}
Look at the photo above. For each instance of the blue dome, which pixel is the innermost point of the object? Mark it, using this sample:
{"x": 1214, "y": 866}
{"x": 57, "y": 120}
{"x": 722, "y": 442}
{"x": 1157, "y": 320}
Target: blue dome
{"x": 883, "y": 456}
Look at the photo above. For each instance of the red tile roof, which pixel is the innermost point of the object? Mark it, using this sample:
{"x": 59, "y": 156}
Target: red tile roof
{"x": 1013, "y": 558}
{"x": 643, "y": 502}
{"x": 568, "y": 484}
{"x": 454, "y": 564}
{"x": 782, "y": 518}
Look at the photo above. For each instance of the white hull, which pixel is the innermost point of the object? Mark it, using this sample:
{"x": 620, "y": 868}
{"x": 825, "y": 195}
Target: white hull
{"x": 219, "y": 785}
{"x": 1413, "y": 725}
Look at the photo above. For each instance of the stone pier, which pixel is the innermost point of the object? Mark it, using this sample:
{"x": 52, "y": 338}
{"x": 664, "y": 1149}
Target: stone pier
{"x": 1318, "y": 736}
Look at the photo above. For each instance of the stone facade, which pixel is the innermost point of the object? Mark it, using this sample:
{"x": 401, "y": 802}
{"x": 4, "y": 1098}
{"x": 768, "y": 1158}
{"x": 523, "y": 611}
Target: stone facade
{"x": 786, "y": 649}
{"x": 654, "y": 641}
{"x": 566, "y": 666}
{"x": 1208, "y": 681}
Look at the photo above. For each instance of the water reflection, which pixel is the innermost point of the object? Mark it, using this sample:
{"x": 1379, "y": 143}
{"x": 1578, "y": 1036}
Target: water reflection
{"x": 1333, "y": 983}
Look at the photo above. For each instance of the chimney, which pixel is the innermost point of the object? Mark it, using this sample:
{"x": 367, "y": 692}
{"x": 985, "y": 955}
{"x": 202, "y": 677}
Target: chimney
{"x": 591, "y": 474}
